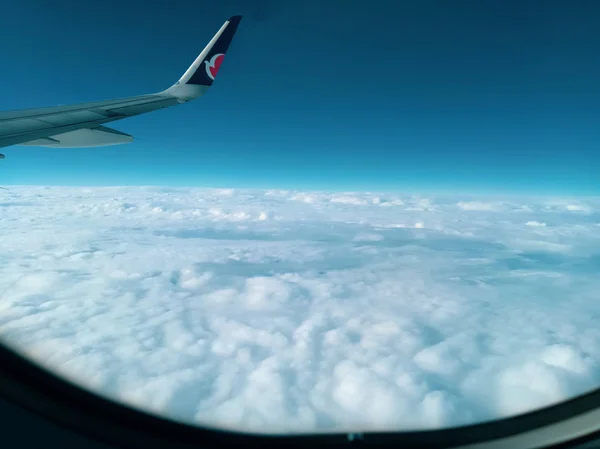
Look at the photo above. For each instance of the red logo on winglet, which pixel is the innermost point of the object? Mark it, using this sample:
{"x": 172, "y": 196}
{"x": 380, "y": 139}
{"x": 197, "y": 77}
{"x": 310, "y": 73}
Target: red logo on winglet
{"x": 212, "y": 66}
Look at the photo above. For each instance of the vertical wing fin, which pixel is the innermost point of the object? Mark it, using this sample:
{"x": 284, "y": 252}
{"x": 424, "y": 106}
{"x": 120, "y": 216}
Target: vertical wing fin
{"x": 200, "y": 75}
{"x": 204, "y": 69}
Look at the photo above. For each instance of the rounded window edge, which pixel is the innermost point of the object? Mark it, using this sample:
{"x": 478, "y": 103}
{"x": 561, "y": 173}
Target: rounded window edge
{"x": 32, "y": 387}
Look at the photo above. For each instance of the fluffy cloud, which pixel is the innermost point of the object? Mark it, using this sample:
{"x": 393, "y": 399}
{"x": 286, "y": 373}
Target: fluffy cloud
{"x": 284, "y": 311}
{"x": 535, "y": 223}
{"x": 477, "y": 205}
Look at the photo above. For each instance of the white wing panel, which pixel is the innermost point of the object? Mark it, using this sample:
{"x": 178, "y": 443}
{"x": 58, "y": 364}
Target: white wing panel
{"x": 83, "y": 138}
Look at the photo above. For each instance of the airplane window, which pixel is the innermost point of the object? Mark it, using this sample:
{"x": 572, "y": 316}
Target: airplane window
{"x": 349, "y": 216}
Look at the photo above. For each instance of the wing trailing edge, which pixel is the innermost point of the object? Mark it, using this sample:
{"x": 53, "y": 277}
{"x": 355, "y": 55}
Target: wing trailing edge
{"x": 83, "y": 138}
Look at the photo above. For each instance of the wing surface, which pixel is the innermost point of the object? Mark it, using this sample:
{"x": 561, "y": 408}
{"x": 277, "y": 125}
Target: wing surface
{"x": 81, "y": 125}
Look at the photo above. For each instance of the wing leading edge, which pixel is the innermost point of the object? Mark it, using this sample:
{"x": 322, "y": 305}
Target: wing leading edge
{"x": 81, "y": 125}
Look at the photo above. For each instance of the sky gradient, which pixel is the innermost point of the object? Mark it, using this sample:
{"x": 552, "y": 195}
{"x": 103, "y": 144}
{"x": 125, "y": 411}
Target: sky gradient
{"x": 366, "y": 96}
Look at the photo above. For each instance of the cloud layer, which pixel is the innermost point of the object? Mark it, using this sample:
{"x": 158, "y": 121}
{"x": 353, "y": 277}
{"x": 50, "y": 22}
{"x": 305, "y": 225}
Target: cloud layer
{"x": 284, "y": 311}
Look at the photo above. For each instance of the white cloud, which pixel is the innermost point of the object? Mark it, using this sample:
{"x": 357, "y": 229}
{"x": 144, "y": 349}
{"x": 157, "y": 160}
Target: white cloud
{"x": 535, "y": 223}
{"x": 577, "y": 207}
{"x": 477, "y": 206}
{"x": 348, "y": 199}
{"x": 368, "y": 237}
{"x": 571, "y": 205}
{"x": 286, "y": 311}
{"x": 304, "y": 197}
{"x": 391, "y": 203}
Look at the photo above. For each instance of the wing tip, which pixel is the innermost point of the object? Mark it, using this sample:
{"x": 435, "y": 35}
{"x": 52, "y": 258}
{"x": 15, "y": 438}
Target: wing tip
{"x": 204, "y": 69}
{"x": 201, "y": 74}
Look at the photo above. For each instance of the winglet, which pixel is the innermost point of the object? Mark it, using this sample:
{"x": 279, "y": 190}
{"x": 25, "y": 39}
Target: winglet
{"x": 201, "y": 74}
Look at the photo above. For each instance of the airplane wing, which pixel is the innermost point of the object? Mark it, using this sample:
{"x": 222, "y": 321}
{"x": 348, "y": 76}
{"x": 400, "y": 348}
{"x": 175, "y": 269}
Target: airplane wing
{"x": 82, "y": 125}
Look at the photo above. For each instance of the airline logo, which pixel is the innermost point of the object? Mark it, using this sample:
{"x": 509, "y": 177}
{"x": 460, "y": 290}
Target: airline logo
{"x": 212, "y": 66}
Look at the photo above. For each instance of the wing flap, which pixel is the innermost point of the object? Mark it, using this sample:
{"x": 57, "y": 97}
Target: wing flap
{"x": 83, "y": 138}
{"x": 16, "y": 127}
{"x": 17, "y": 130}
{"x": 67, "y": 118}
{"x": 44, "y": 141}
{"x": 141, "y": 108}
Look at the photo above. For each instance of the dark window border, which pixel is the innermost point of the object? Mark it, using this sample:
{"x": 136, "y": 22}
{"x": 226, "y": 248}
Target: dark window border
{"x": 40, "y": 391}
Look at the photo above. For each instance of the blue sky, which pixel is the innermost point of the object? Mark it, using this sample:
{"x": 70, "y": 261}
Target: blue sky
{"x": 379, "y": 95}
